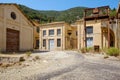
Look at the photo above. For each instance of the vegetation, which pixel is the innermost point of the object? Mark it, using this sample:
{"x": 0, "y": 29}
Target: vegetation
{"x": 28, "y": 53}
{"x": 69, "y": 16}
{"x": 90, "y": 49}
{"x": 83, "y": 50}
{"x": 113, "y": 51}
{"x": 42, "y": 16}
{"x": 22, "y": 59}
{"x": 113, "y": 12}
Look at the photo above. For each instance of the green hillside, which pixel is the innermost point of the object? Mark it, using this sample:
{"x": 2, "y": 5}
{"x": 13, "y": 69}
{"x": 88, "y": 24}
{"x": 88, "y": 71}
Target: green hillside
{"x": 70, "y": 15}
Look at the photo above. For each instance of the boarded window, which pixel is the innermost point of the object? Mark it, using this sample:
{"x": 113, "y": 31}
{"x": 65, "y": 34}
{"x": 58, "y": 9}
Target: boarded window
{"x": 58, "y": 42}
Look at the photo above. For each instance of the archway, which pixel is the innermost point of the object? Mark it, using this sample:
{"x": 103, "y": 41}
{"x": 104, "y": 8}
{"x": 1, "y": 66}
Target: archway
{"x": 112, "y": 39}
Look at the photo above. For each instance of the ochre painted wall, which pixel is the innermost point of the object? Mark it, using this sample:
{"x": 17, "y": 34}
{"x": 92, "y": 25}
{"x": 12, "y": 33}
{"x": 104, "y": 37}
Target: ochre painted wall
{"x": 21, "y": 24}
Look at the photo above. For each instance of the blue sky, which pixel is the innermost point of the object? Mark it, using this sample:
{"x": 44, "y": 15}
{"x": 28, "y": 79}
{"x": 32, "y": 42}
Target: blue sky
{"x": 63, "y": 4}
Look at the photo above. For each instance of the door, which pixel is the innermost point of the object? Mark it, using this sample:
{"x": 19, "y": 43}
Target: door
{"x": 51, "y": 44}
{"x": 12, "y": 40}
{"x": 37, "y": 44}
{"x": 89, "y": 41}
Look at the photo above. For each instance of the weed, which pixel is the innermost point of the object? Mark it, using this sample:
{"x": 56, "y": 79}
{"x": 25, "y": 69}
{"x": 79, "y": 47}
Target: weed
{"x": 28, "y": 53}
{"x": 113, "y": 51}
{"x": 21, "y": 59}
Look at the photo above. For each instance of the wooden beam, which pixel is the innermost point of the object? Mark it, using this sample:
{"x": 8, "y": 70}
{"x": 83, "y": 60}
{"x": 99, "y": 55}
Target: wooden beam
{"x": 108, "y": 30}
{"x": 84, "y": 33}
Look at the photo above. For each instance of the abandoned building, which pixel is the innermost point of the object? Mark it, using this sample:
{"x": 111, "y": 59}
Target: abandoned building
{"x": 16, "y": 30}
{"x": 98, "y": 28}
{"x": 57, "y": 36}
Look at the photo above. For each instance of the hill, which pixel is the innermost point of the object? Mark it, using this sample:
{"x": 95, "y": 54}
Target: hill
{"x": 69, "y": 16}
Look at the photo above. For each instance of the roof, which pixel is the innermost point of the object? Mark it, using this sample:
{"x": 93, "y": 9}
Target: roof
{"x": 96, "y": 13}
{"x": 19, "y": 10}
{"x": 53, "y": 23}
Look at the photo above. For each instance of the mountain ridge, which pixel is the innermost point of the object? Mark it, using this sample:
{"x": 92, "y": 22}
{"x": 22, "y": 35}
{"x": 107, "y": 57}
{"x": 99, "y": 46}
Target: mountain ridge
{"x": 46, "y": 16}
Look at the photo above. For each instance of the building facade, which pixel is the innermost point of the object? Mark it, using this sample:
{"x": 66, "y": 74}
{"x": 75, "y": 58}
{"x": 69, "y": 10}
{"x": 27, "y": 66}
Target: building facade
{"x": 16, "y": 31}
{"x": 118, "y": 26}
{"x": 57, "y": 36}
{"x": 97, "y": 29}
{"x": 36, "y": 35}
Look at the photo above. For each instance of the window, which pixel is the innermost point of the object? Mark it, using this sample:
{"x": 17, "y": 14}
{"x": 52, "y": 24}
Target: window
{"x": 37, "y": 29}
{"x": 44, "y": 42}
{"x": 76, "y": 33}
{"x": 58, "y": 31}
{"x": 89, "y": 29}
{"x": 13, "y": 15}
{"x": 44, "y": 32}
{"x": 37, "y": 44}
{"x": 89, "y": 41}
{"x": 58, "y": 42}
{"x": 51, "y": 32}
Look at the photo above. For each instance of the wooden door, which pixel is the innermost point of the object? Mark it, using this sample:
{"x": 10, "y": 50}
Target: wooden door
{"x": 12, "y": 40}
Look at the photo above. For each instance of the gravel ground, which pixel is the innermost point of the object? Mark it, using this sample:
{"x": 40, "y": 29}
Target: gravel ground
{"x": 64, "y": 65}
{"x": 49, "y": 62}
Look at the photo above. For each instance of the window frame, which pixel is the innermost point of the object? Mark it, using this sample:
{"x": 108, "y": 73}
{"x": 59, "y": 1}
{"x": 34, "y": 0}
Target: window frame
{"x": 44, "y": 42}
{"x": 89, "y": 29}
{"x": 44, "y": 31}
{"x": 59, "y": 44}
{"x": 52, "y": 32}
{"x": 58, "y": 32}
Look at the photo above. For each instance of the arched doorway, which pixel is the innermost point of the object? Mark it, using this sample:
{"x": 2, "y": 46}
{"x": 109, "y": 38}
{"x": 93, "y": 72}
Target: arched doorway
{"x": 112, "y": 39}
{"x": 105, "y": 38}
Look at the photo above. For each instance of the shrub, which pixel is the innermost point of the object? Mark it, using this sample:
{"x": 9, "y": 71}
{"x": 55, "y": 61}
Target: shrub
{"x": 21, "y": 59}
{"x": 28, "y": 53}
{"x": 83, "y": 50}
{"x": 113, "y": 51}
{"x": 89, "y": 49}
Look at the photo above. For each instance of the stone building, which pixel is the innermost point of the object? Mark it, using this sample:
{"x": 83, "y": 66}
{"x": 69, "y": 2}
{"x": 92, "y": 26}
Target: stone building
{"x": 36, "y": 35}
{"x": 16, "y": 30}
{"x": 97, "y": 29}
{"x": 57, "y": 36}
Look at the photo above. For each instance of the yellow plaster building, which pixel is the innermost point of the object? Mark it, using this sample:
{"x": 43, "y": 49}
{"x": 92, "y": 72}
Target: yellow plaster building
{"x": 36, "y": 35}
{"x": 57, "y": 36}
{"x": 97, "y": 29}
{"x": 16, "y": 31}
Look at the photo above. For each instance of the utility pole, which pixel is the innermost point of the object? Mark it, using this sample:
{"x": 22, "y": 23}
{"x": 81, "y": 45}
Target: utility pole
{"x": 108, "y": 29}
{"x": 84, "y": 33}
